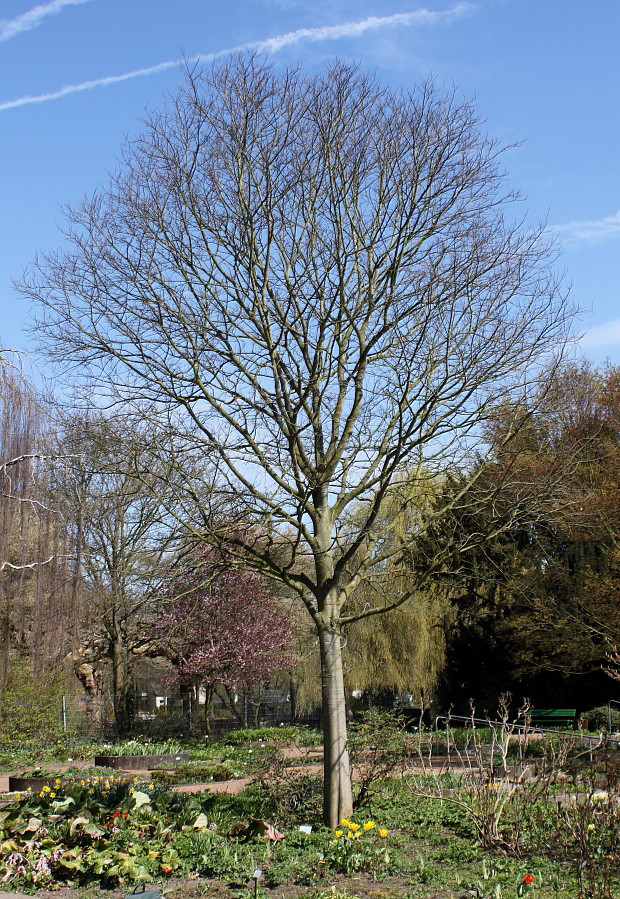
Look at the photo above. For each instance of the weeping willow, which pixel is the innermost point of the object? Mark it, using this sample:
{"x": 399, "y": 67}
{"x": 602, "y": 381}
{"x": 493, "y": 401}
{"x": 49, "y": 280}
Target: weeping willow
{"x": 37, "y": 614}
{"x": 401, "y": 651}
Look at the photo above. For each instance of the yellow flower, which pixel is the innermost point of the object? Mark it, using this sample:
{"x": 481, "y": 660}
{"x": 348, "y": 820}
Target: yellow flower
{"x": 338, "y": 833}
{"x": 591, "y": 827}
{"x": 369, "y": 825}
{"x": 334, "y": 842}
{"x": 358, "y": 834}
{"x": 349, "y": 835}
{"x": 46, "y": 789}
{"x": 345, "y": 822}
{"x": 353, "y": 826}
{"x": 52, "y": 795}
{"x": 383, "y": 831}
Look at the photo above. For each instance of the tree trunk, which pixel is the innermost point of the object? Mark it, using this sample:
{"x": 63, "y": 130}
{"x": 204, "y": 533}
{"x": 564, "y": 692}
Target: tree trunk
{"x": 119, "y": 680}
{"x": 337, "y": 797}
{"x": 231, "y": 701}
{"x": 209, "y": 690}
{"x": 293, "y": 695}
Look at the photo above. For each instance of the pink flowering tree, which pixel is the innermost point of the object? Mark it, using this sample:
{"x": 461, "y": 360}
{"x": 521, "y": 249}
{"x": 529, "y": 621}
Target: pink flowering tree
{"x": 225, "y": 628}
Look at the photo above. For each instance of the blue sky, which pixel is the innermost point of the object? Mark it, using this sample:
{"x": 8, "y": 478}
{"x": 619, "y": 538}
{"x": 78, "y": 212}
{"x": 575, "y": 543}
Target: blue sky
{"x": 76, "y": 76}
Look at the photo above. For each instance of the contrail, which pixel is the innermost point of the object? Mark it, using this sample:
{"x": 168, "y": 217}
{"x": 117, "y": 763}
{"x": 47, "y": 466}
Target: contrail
{"x": 270, "y": 45}
{"x": 12, "y": 27}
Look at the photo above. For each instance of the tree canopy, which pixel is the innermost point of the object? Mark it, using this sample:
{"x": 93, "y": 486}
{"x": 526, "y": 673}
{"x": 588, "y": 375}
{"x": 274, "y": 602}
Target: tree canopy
{"x": 224, "y": 627}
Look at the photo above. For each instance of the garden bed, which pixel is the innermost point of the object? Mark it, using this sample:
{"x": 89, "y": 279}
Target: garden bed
{"x": 38, "y": 779}
{"x": 437, "y": 832}
{"x": 141, "y": 762}
{"x": 19, "y": 784}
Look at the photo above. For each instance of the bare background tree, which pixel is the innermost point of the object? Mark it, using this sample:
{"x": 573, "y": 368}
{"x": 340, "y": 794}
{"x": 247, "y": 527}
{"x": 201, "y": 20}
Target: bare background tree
{"x": 330, "y": 281}
{"x": 123, "y": 539}
{"x": 37, "y": 620}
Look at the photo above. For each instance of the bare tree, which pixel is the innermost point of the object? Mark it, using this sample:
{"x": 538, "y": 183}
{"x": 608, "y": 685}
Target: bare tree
{"x": 329, "y": 279}
{"x": 123, "y": 541}
{"x": 35, "y": 613}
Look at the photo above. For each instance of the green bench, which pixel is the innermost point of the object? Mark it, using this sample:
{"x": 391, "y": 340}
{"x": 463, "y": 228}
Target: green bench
{"x": 552, "y": 717}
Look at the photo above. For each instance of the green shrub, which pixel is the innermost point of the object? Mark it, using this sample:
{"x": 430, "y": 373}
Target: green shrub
{"x": 379, "y": 748}
{"x": 599, "y": 718}
{"x": 291, "y": 799}
{"x": 31, "y": 710}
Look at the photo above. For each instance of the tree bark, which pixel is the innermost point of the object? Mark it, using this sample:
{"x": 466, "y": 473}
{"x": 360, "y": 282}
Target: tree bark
{"x": 337, "y": 796}
{"x": 209, "y": 691}
{"x": 119, "y": 679}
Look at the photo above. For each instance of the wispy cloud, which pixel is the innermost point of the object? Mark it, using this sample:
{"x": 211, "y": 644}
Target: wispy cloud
{"x": 601, "y": 336}
{"x": 12, "y": 27}
{"x": 590, "y": 232}
{"x": 269, "y": 45}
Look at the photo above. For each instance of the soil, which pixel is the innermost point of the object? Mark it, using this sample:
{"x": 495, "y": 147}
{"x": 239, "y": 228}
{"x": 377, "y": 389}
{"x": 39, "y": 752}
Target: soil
{"x": 358, "y": 885}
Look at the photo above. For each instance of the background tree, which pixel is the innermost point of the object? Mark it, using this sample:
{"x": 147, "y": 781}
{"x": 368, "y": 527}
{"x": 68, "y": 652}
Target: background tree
{"x": 225, "y": 629}
{"x": 123, "y": 541}
{"x": 403, "y": 650}
{"x": 37, "y": 621}
{"x": 329, "y": 280}
{"x": 539, "y": 605}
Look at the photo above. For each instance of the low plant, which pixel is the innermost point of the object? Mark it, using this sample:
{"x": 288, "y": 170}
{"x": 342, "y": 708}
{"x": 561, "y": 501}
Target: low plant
{"x": 379, "y": 748}
{"x": 284, "y": 734}
{"x": 285, "y": 795}
{"x": 358, "y": 847}
{"x": 589, "y": 822}
{"x": 196, "y": 772}
{"x": 143, "y": 747}
{"x": 108, "y": 831}
{"x": 492, "y": 792}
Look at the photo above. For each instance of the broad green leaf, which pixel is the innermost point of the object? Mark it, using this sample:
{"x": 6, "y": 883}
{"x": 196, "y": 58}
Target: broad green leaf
{"x": 63, "y": 805}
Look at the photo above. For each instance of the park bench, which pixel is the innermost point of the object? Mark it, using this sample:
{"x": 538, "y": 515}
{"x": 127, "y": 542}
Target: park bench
{"x": 552, "y": 717}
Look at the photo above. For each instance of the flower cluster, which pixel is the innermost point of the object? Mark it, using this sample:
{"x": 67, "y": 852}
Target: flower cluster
{"x": 353, "y": 830}
{"x": 354, "y": 847}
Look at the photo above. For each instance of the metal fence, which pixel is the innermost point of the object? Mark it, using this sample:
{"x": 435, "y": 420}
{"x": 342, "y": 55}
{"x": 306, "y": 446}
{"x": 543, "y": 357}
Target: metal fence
{"x": 161, "y": 715}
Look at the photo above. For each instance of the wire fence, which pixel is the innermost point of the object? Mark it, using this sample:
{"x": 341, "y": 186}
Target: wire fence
{"x": 160, "y": 716}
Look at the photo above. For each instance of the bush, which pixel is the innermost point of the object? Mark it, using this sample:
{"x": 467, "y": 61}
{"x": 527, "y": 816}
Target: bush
{"x": 286, "y": 797}
{"x": 379, "y": 748}
{"x": 30, "y": 710}
{"x": 598, "y": 719}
